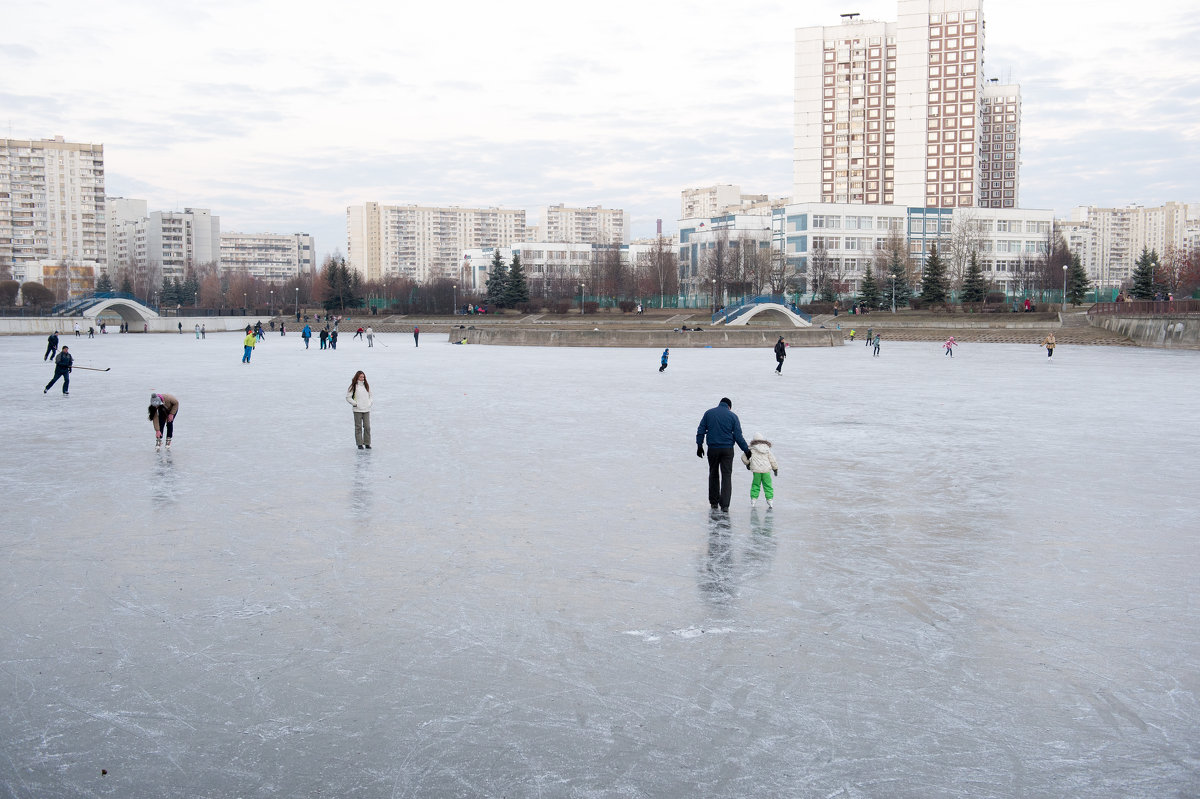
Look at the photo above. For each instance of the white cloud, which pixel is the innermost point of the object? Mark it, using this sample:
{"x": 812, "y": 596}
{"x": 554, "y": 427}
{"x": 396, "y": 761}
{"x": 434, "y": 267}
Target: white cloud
{"x": 279, "y": 114}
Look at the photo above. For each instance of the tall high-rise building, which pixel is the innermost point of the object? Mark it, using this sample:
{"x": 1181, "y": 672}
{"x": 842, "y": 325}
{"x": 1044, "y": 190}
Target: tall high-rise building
{"x": 423, "y": 242}
{"x": 271, "y": 256}
{"x": 160, "y": 245}
{"x": 892, "y": 112}
{"x": 591, "y": 225}
{"x": 51, "y": 203}
{"x": 1109, "y": 240}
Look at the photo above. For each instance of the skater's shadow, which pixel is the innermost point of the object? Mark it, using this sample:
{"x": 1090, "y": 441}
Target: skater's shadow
{"x": 362, "y": 489}
{"x": 761, "y": 545}
{"x": 164, "y": 486}
{"x": 716, "y": 573}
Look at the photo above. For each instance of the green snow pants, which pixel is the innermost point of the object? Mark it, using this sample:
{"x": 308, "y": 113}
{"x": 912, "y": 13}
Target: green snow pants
{"x": 763, "y": 479}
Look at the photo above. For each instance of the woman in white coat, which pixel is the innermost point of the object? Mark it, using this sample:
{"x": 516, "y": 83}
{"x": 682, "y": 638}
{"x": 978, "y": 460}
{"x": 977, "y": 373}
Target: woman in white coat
{"x": 359, "y": 396}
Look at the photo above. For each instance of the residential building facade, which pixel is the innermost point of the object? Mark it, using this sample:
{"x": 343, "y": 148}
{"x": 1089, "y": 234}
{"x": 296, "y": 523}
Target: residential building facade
{"x": 555, "y": 264}
{"x": 270, "y": 256}
{"x": 162, "y": 245}
{"x": 1109, "y": 240}
{"x": 591, "y": 225}
{"x": 891, "y": 113}
{"x": 51, "y": 204}
{"x": 709, "y": 201}
{"x": 421, "y": 242}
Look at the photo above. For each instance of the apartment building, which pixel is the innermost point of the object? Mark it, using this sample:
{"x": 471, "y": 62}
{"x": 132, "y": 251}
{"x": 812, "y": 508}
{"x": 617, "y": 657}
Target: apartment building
{"x": 270, "y": 256}
{"x": 51, "y": 204}
{"x": 1000, "y": 145}
{"x": 591, "y": 225}
{"x": 891, "y": 113}
{"x": 719, "y": 200}
{"x": 422, "y": 242}
{"x": 161, "y": 245}
{"x": 1109, "y": 240}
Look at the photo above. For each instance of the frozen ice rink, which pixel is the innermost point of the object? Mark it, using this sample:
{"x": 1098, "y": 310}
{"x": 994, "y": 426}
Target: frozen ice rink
{"x": 980, "y": 578}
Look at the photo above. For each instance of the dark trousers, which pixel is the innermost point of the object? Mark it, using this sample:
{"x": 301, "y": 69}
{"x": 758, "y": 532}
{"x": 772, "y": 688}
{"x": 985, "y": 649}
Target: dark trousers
{"x": 64, "y": 374}
{"x": 779, "y": 366}
{"x": 720, "y": 476}
{"x": 416, "y": 339}
{"x": 51, "y": 351}
{"x": 662, "y": 368}
{"x": 163, "y": 424}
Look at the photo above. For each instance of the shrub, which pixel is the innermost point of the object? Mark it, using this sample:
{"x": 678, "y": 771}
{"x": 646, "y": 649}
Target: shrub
{"x": 530, "y": 307}
{"x": 8, "y": 292}
{"x": 36, "y": 294}
{"x": 915, "y": 303}
{"x": 996, "y": 297}
{"x": 560, "y": 307}
{"x": 627, "y": 306}
{"x": 591, "y": 307}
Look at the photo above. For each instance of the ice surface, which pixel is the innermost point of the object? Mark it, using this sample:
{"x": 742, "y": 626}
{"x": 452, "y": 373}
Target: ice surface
{"x": 979, "y": 579}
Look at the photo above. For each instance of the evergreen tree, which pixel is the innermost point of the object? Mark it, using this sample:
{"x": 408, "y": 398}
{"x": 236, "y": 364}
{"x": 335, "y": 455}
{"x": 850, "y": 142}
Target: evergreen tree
{"x": 344, "y": 286}
{"x": 897, "y": 282}
{"x": 516, "y": 287}
{"x": 497, "y": 282}
{"x": 169, "y": 296}
{"x": 104, "y": 283}
{"x": 190, "y": 289}
{"x": 126, "y": 284}
{"x": 974, "y": 288}
{"x": 868, "y": 292}
{"x": 1078, "y": 282}
{"x": 1143, "y": 275}
{"x": 933, "y": 278}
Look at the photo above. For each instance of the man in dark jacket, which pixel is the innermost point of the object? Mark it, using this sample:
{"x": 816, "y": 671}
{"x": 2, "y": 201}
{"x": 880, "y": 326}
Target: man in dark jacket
{"x": 780, "y": 354}
{"x": 723, "y": 429}
{"x": 51, "y": 346}
{"x": 62, "y": 368}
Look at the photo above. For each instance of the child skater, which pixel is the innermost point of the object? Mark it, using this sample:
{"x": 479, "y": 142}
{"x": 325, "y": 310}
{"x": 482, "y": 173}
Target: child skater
{"x": 762, "y": 463}
{"x": 950, "y": 345}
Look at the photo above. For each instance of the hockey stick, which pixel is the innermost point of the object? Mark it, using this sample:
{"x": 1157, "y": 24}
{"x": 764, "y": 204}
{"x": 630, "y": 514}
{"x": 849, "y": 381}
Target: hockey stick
{"x": 92, "y": 368}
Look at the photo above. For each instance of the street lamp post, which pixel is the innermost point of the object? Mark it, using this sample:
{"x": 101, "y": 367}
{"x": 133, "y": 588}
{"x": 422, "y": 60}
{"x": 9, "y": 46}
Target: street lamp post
{"x": 893, "y": 293}
{"x": 712, "y": 296}
{"x": 1064, "y": 302}
{"x": 297, "y": 302}
{"x": 271, "y": 307}
{"x": 454, "y": 310}
{"x": 582, "y": 288}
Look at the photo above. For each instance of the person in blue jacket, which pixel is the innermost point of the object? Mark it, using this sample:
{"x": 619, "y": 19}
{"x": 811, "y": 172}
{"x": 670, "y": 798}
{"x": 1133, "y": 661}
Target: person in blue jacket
{"x": 723, "y": 429}
{"x": 306, "y": 334}
{"x": 665, "y": 355}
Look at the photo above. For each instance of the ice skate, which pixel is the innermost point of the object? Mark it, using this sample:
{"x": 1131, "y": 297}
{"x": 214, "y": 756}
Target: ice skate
{"x": 168, "y": 442}
{"x": 158, "y": 443}
{"x": 770, "y": 505}
{"x": 753, "y": 502}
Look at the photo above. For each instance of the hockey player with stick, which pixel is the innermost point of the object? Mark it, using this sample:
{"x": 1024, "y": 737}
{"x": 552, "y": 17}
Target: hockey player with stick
{"x": 62, "y": 368}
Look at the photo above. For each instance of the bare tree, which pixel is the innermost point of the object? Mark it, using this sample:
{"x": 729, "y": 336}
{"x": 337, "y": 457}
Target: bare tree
{"x": 966, "y": 236}
{"x": 778, "y": 272}
{"x": 820, "y": 272}
{"x": 664, "y": 268}
{"x": 717, "y": 265}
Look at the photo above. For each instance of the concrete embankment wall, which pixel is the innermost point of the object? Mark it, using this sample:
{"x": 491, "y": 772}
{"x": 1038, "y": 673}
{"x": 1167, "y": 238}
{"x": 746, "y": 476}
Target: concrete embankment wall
{"x": 734, "y": 337}
{"x": 1155, "y": 330}
{"x": 45, "y": 325}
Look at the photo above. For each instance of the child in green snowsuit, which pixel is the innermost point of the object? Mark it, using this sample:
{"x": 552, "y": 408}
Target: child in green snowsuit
{"x": 762, "y": 463}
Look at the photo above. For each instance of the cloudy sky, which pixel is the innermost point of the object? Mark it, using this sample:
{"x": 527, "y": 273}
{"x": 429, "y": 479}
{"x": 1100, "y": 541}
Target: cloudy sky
{"x": 277, "y": 115}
